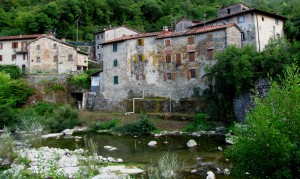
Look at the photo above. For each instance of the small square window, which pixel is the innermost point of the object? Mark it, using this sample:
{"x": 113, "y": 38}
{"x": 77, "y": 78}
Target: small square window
{"x": 78, "y": 68}
{"x": 55, "y": 58}
{"x": 190, "y": 40}
{"x": 15, "y": 45}
{"x": 191, "y": 56}
{"x": 38, "y": 59}
{"x": 116, "y": 80}
{"x": 241, "y": 19}
{"x": 167, "y": 42}
{"x": 140, "y": 42}
{"x": 38, "y": 47}
{"x": 115, "y": 47}
{"x": 168, "y": 58}
{"x": 70, "y": 57}
{"x": 115, "y": 63}
{"x": 13, "y": 58}
{"x": 193, "y": 73}
{"x": 54, "y": 46}
{"x": 210, "y": 54}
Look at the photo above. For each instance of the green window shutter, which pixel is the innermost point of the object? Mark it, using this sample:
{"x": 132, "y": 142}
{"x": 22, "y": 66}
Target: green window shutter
{"x": 115, "y": 63}
{"x": 115, "y": 47}
{"x": 116, "y": 80}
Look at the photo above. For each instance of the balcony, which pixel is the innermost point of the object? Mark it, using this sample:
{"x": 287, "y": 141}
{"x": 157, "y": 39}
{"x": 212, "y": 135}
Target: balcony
{"x": 21, "y": 50}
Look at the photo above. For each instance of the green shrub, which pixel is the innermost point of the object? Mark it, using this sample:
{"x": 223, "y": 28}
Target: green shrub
{"x": 82, "y": 80}
{"x": 199, "y": 124}
{"x": 141, "y": 127}
{"x": 13, "y": 71}
{"x": 6, "y": 115}
{"x": 269, "y": 145}
{"x": 104, "y": 125}
{"x": 7, "y": 145}
{"x": 57, "y": 87}
{"x": 44, "y": 108}
{"x": 65, "y": 117}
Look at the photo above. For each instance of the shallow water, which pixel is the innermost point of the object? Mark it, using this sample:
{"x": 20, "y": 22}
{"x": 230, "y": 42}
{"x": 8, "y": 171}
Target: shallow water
{"x": 136, "y": 149}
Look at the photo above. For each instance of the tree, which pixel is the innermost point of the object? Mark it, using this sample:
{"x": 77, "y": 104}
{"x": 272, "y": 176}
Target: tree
{"x": 269, "y": 144}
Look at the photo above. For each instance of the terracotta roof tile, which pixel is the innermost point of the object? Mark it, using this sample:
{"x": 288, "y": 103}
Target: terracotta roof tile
{"x": 135, "y": 36}
{"x": 198, "y": 30}
{"x": 18, "y": 37}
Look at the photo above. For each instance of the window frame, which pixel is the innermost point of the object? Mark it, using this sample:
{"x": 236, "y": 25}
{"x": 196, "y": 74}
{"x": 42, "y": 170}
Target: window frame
{"x": 38, "y": 59}
{"x": 70, "y": 57}
{"x": 14, "y": 45}
{"x": 115, "y": 47}
{"x": 241, "y": 19}
{"x": 192, "y": 73}
{"x": 116, "y": 79}
{"x": 115, "y": 63}
{"x": 192, "y": 56}
{"x": 168, "y": 58}
{"x": 167, "y": 42}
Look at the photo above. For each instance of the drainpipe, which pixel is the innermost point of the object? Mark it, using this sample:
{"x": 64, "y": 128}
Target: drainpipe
{"x": 257, "y": 33}
{"x": 133, "y": 104}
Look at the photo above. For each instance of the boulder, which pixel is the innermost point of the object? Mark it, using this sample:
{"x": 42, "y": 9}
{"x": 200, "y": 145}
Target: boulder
{"x": 226, "y": 171}
{"x": 119, "y": 160}
{"x": 68, "y": 132}
{"x": 194, "y": 171}
{"x": 191, "y": 143}
{"x": 53, "y": 135}
{"x": 210, "y": 175}
{"x": 152, "y": 143}
{"x": 112, "y": 149}
{"x": 107, "y": 147}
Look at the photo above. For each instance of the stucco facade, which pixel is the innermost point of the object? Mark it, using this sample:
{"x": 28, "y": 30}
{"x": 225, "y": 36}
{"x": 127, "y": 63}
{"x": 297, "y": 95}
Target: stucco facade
{"x": 109, "y": 34}
{"x": 163, "y": 64}
{"x": 258, "y": 26}
{"x": 14, "y": 50}
{"x": 50, "y": 55}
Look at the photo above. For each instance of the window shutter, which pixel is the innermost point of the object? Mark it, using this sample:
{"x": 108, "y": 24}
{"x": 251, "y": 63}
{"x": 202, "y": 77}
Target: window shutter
{"x": 178, "y": 59}
{"x": 144, "y": 76}
{"x": 165, "y": 76}
{"x": 188, "y": 74}
{"x": 137, "y": 42}
{"x": 143, "y": 57}
{"x": 137, "y": 76}
{"x": 173, "y": 76}
{"x": 136, "y": 58}
{"x": 143, "y": 42}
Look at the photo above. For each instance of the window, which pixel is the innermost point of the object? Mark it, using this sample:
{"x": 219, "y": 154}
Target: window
{"x": 97, "y": 36}
{"x": 140, "y": 57}
{"x": 54, "y": 46}
{"x": 23, "y": 68}
{"x": 115, "y": 63}
{"x": 192, "y": 73}
{"x": 0, "y": 58}
{"x": 228, "y": 11}
{"x": 241, "y": 19}
{"x": 98, "y": 46}
{"x": 116, "y": 80}
{"x": 139, "y": 42}
{"x": 55, "y": 58}
{"x": 84, "y": 68}
{"x": 101, "y": 35}
{"x": 191, "y": 56}
{"x": 13, "y": 58}
{"x": 276, "y": 21}
{"x": 70, "y": 57}
{"x": 190, "y": 40}
{"x": 168, "y": 58}
{"x": 169, "y": 76}
{"x": 24, "y": 56}
{"x": 167, "y": 42}
{"x": 38, "y": 59}
{"x": 38, "y": 47}
{"x": 210, "y": 54}
{"x": 15, "y": 45}
{"x": 99, "y": 56}
{"x": 1, "y": 45}
{"x": 140, "y": 76}
{"x": 243, "y": 36}
{"x": 78, "y": 68}
{"x": 115, "y": 47}
{"x": 178, "y": 59}
{"x": 209, "y": 37}
{"x": 278, "y": 36}
{"x": 262, "y": 19}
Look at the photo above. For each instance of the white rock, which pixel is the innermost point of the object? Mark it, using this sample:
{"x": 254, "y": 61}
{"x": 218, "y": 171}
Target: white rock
{"x": 52, "y": 135}
{"x": 110, "y": 159}
{"x": 191, "y": 143}
{"x": 229, "y": 141}
{"x": 219, "y": 171}
{"x": 112, "y": 149}
{"x": 220, "y": 148}
{"x": 193, "y": 171}
{"x": 210, "y": 175}
{"x": 77, "y": 137}
{"x": 152, "y": 143}
{"x": 119, "y": 160}
{"x": 120, "y": 169}
{"x": 68, "y": 132}
{"x": 107, "y": 147}
{"x": 157, "y": 135}
{"x": 226, "y": 171}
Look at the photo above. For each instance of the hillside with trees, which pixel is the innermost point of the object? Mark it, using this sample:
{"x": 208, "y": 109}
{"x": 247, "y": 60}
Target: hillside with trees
{"x": 63, "y": 16}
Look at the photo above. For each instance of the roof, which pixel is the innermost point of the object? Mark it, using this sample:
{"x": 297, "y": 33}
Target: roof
{"x": 200, "y": 30}
{"x": 239, "y": 13}
{"x": 135, "y": 36}
{"x": 115, "y": 28}
{"x": 20, "y": 37}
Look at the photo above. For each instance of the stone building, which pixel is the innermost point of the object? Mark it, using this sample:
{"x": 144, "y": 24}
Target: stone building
{"x": 109, "y": 34}
{"x": 258, "y": 26}
{"x": 47, "y": 54}
{"x": 14, "y": 50}
{"x": 162, "y": 64}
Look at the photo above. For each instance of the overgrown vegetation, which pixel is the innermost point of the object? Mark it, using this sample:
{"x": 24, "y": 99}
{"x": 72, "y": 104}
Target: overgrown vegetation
{"x": 7, "y": 145}
{"x": 13, "y": 71}
{"x": 269, "y": 146}
{"x": 81, "y": 80}
{"x": 200, "y": 123}
{"x": 141, "y": 127}
{"x": 168, "y": 167}
{"x": 104, "y": 125}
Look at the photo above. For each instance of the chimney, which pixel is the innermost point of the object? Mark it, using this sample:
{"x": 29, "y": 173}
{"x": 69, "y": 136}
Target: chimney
{"x": 165, "y": 28}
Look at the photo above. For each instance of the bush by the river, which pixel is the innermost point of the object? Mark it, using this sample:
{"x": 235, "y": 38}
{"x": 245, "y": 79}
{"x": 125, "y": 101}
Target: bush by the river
{"x": 104, "y": 125}
{"x": 199, "y": 124}
{"x": 141, "y": 127}
{"x": 269, "y": 144}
